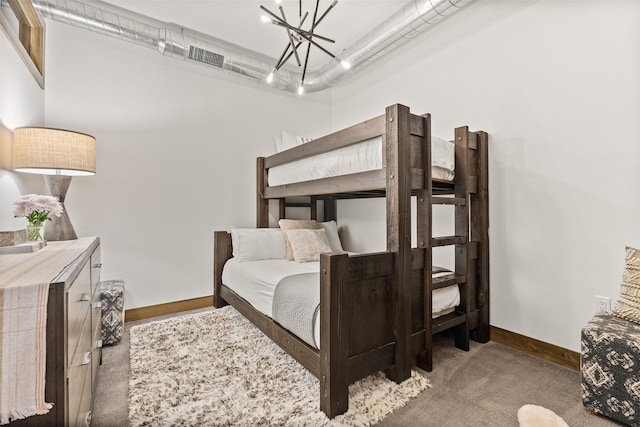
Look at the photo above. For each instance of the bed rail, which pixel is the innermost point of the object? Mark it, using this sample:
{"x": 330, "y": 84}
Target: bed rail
{"x": 342, "y": 138}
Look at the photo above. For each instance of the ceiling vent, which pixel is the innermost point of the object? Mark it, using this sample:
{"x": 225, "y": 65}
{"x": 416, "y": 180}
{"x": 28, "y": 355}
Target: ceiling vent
{"x": 206, "y": 57}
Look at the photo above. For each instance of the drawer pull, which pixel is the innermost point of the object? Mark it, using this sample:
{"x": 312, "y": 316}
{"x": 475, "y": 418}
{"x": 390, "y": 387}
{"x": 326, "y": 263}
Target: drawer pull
{"x": 99, "y": 344}
{"x": 86, "y": 359}
{"x": 85, "y": 297}
{"x": 98, "y": 265}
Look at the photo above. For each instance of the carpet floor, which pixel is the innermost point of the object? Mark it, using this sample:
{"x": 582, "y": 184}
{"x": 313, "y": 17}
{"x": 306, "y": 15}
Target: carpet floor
{"x": 482, "y": 387}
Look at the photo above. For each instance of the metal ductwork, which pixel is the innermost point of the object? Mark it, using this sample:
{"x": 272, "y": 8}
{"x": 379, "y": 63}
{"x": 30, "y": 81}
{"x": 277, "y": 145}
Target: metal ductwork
{"x": 188, "y": 45}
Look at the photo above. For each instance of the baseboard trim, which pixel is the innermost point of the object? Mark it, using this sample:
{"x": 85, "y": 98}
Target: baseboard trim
{"x": 167, "y": 308}
{"x": 534, "y": 347}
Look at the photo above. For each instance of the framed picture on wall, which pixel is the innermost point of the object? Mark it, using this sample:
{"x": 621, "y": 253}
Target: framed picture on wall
{"x": 24, "y": 29}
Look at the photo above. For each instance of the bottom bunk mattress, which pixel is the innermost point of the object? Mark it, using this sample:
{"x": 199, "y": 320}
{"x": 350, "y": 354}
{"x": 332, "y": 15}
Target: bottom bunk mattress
{"x": 289, "y": 293}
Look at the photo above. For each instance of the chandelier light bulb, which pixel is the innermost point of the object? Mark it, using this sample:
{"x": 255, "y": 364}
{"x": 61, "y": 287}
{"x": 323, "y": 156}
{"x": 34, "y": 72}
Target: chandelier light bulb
{"x": 345, "y": 65}
{"x": 270, "y": 78}
{"x": 265, "y": 19}
{"x": 300, "y": 90}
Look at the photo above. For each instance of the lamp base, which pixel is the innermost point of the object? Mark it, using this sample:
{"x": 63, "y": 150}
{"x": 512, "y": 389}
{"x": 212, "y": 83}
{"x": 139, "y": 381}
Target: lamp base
{"x": 60, "y": 228}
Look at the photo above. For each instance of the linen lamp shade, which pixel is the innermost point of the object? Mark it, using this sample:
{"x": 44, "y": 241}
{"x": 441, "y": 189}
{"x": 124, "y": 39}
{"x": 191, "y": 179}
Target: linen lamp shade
{"x": 50, "y": 151}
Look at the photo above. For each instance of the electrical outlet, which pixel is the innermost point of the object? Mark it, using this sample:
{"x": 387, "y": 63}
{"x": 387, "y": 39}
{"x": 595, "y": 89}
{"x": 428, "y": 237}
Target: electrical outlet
{"x": 603, "y": 304}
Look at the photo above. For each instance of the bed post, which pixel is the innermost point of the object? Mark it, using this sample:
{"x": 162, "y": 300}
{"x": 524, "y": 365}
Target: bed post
{"x": 424, "y": 234}
{"x": 396, "y": 151}
{"x": 480, "y": 233}
{"x": 465, "y": 184}
{"x": 335, "y": 306}
{"x": 221, "y": 253}
{"x": 262, "y": 204}
{"x": 330, "y": 211}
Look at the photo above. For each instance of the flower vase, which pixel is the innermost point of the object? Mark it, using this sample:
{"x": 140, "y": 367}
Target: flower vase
{"x": 34, "y": 232}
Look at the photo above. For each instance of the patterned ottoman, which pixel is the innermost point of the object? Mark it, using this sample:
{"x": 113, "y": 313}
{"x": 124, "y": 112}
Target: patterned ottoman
{"x": 610, "y": 368}
{"x": 112, "y": 299}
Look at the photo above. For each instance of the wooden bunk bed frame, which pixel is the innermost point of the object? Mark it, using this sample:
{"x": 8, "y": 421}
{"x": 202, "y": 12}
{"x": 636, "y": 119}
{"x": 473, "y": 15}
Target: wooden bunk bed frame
{"x": 375, "y": 308}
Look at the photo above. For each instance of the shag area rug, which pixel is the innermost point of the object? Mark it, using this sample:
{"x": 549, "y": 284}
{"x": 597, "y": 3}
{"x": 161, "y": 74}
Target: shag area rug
{"x": 216, "y": 368}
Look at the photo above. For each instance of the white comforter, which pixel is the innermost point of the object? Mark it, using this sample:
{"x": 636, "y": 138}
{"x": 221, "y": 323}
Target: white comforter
{"x": 256, "y": 281}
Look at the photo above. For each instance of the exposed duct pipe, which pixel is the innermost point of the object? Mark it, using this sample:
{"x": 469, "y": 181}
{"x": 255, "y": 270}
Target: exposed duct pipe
{"x": 191, "y": 46}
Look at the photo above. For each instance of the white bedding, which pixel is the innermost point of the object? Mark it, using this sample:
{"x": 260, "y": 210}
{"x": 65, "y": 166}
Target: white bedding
{"x": 256, "y": 281}
{"x": 360, "y": 157}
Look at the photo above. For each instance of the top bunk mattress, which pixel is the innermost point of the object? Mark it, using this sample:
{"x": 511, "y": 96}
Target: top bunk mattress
{"x": 360, "y": 157}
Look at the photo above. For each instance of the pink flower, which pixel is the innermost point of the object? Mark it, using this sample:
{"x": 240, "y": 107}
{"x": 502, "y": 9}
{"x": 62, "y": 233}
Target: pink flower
{"x": 37, "y": 208}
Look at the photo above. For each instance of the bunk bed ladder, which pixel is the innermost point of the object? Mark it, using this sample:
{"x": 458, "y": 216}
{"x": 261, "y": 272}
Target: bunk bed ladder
{"x": 471, "y": 240}
{"x": 465, "y": 250}
{"x": 425, "y": 241}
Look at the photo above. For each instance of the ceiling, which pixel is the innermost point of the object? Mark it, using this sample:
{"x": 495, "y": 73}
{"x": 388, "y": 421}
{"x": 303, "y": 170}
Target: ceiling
{"x": 229, "y": 35}
{"x": 238, "y": 21}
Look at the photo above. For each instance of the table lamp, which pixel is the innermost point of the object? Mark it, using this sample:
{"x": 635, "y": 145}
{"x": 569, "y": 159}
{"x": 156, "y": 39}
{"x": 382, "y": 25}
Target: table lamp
{"x": 58, "y": 155}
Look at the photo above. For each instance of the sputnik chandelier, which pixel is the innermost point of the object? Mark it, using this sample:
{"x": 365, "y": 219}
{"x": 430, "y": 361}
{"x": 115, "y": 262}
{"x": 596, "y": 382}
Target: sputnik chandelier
{"x": 298, "y": 35}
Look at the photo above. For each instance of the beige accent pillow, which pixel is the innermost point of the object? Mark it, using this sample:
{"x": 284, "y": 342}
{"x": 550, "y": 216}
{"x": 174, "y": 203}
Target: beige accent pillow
{"x": 295, "y": 224}
{"x": 308, "y": 244}
{"x": 628, "y": 306}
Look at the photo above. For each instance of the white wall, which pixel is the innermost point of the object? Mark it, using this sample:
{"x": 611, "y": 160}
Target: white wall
{"x": 555, "y": 84}
{"x": 176, "y": 149}
{"x": 21, "y": 104}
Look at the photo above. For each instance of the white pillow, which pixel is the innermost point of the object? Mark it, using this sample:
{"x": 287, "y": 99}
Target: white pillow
{"x": 253, "y": 244}
{"x": 307, "y": 244}
{"x": 289, "y": 141}
{"x": 331, "y": 228}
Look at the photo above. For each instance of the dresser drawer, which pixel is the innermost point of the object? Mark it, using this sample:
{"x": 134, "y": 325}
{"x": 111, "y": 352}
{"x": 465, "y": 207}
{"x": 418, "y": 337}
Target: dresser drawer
{"x": 78, "y": 305}
{"x": 96, "y": 342}
{"x": 96, "y": 320}
{"x": 96, "y": 266}
{"x": 78, "y": 373}
{"x": 85, "y": 403}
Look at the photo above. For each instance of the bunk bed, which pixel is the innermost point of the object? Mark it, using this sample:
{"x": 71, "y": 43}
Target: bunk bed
{"x": 375, "y": 308}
